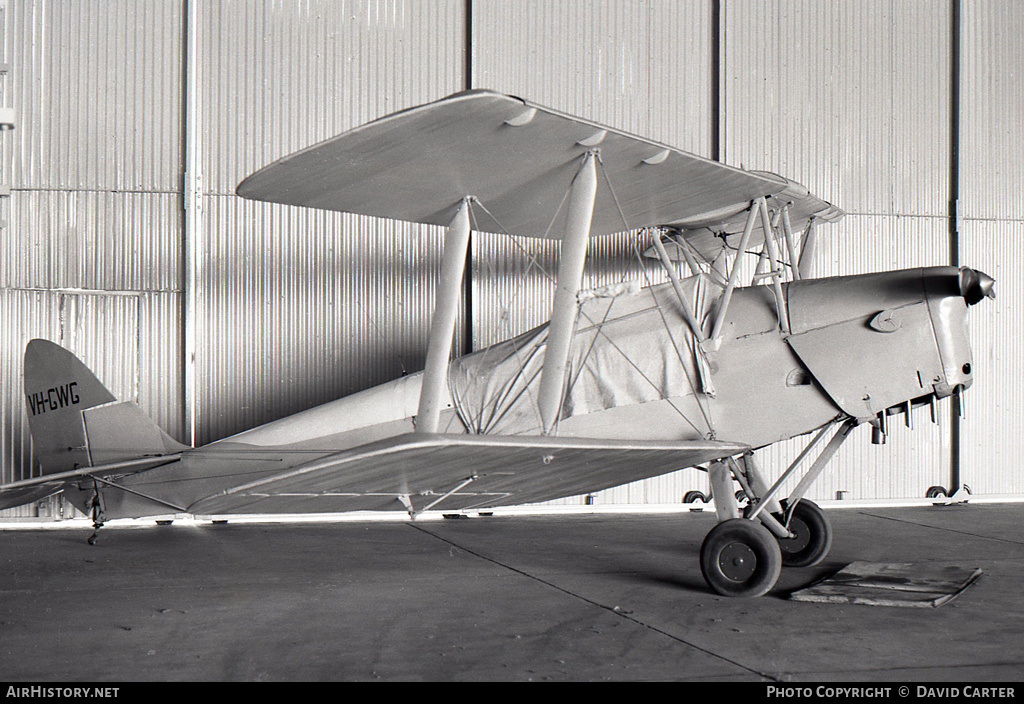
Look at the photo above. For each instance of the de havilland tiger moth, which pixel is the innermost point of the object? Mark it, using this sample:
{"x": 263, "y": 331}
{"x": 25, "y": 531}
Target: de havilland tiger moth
{"x": 623, "y": 383}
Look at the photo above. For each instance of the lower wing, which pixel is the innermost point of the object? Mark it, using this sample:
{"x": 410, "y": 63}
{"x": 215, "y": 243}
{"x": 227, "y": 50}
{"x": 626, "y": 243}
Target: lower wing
{"x": 421, "y": 471}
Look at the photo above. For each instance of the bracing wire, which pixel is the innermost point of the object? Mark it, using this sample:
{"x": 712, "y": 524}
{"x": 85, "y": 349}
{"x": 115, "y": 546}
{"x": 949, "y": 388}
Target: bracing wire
{"x": 533, "y": 263}
{"x": 704, "y": 411}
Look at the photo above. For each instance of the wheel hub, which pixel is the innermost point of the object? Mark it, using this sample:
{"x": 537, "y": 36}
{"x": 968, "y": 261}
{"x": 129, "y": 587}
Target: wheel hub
{"x": 801, "y": 537}
{"x": 737, "y": 562}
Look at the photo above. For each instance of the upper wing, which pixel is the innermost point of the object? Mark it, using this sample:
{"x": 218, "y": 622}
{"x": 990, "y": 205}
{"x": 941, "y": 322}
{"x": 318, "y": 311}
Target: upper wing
{"x": 453, "y": 472}
{"x": 516, "y": 158}
{"x": 709, "y": 233}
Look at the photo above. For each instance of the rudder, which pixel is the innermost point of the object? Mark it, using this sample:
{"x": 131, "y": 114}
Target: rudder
{"x": 74, "y": 419}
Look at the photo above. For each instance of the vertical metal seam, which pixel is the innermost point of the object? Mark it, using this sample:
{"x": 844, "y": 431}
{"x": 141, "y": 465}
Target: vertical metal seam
{"x": 954, "y": 134}
{"x": 137, "y": 380}
{"x": 955, "y": 429}
{"x": 191, "y": 224}
{"x": 467, "y": 279}
{"x": 716, "y": 80}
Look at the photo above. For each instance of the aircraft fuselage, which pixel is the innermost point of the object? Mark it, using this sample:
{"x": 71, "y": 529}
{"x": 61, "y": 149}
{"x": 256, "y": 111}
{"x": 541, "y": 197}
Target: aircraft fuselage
{"x": 853, "y": 346}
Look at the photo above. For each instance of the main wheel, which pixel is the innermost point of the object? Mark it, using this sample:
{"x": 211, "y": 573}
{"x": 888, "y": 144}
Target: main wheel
{"x": 740, "y": 558}
{"x": 813, "y": 535}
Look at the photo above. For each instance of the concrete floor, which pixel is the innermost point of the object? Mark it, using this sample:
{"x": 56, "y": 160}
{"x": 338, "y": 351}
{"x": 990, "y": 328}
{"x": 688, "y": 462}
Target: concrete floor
{"x": 586, "y": 597}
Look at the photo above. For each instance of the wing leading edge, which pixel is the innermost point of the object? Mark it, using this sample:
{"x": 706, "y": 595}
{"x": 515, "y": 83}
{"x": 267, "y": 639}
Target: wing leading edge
{"x": 420, "y": 471}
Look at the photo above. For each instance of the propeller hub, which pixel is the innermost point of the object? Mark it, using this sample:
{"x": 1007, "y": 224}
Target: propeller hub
{"x": 976, "y": 285}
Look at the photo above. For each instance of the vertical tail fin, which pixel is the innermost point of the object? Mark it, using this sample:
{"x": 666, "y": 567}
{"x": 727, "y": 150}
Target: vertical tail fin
{"x": 75, "y": 421}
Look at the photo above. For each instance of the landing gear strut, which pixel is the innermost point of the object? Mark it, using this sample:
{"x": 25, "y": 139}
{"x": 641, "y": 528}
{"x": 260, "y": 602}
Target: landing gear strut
{"x": 744, "y": 555}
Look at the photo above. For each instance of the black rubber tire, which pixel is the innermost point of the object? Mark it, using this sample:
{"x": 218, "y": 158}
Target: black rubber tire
{"x": 692, "y": 497}
{"x": 935, "y": 492}
{"x": 813, "y": 535}
{"x": 740, "y": 558}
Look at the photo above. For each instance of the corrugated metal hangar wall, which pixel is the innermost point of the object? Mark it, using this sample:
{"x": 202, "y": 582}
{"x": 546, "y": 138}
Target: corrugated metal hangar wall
{"x": 134, "y": 120}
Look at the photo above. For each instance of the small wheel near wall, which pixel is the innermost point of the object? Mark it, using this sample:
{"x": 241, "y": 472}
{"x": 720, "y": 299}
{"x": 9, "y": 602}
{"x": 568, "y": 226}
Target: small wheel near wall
{"x": 740, "y": 558}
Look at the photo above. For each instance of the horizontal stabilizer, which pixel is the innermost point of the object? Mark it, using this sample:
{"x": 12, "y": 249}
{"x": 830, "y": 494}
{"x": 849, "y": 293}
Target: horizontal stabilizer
{"x": 26, "y": 491}
{"x": 11, "y": 497}
{"x": 423, "y": 471}
{"x": 121, "y": 431}
{"x": 79, "y": 428}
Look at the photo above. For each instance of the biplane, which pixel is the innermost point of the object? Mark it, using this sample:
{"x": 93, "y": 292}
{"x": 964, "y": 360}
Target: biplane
{"x": 625, "y": 382}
